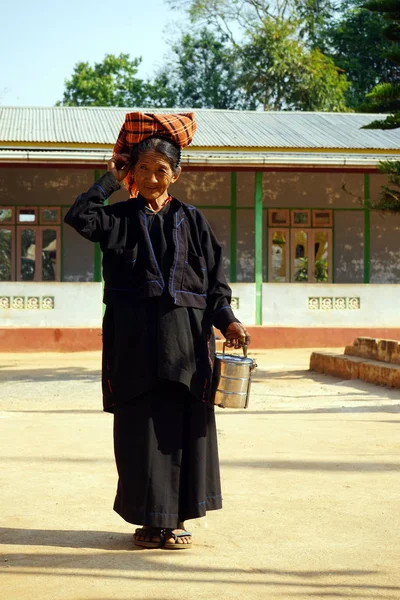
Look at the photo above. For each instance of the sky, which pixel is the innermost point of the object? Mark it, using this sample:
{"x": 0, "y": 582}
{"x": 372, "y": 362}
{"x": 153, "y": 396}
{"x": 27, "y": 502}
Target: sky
{"x": 42, "y": 40}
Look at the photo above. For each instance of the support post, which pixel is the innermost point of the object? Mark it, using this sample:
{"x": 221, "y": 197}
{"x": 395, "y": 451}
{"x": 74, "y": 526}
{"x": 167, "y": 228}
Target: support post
{"x": 367, "y": 228}
{"x": 98, "y": 276}
{"x": 258, "y": 242}
{"x": 233, "y": 226}
{"x": 97, "y": 250}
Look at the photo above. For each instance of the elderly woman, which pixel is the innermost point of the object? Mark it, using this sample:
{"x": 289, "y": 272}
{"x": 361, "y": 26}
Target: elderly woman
{"x": 164, "y": 290}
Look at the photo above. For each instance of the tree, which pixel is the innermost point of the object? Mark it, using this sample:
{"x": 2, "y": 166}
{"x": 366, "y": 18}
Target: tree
{"x": 280, "y": 73}
{"x": 313, "y": 16}
{"x": 280, "y": 68}
{"x": 353, "y": 39}
{"x": 388, "y": 94}
{"x": 112, "y": 82}
{"x": 229, "y": 16}
{"x": 206, "y": 72}
{"x": 161, "y": 92}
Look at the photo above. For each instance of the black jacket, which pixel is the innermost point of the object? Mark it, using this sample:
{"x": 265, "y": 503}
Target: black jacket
{"x": 130, "y": 269}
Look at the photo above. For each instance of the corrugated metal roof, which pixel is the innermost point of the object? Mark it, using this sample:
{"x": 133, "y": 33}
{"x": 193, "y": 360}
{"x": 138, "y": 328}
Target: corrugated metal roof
{"x": 216, "y": 128}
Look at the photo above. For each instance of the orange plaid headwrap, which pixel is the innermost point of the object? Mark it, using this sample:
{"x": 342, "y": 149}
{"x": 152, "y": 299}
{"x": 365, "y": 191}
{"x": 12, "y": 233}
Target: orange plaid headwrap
{"x": 138, "y": 126}
{"x": 178, "y": 128}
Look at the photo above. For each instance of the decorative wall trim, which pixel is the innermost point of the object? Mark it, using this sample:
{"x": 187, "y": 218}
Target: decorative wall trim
{"x": 235, "y": 303}
{"x": 332, "y": 303}
{"x": 5, "y": 302}
{"x": 27, "y": 302}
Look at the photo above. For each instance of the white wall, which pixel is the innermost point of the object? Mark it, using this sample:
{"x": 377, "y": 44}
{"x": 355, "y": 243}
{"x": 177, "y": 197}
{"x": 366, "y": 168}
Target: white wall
{"x": 283, "y": 304}
{"x": 246, "y": 295}
{"x": 74, "y": 304}
{"x": 331, "y": 305}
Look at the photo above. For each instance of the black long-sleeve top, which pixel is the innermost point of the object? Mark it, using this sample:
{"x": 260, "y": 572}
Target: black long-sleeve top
{"x": 164, "y": 289}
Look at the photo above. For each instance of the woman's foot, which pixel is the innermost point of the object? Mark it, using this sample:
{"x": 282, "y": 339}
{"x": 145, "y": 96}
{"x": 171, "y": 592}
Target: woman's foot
{"x": 177, "y": 539}
{"x": 149, "y": 537}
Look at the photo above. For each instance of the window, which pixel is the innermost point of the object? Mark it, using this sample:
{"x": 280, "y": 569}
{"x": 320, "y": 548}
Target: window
{"x": 302, "y": 252}
{"x": 29, "y": 244}
{"x": 278, "y": 255}
{"x": 300, "y": 218}
{"x": 278, "y": 218}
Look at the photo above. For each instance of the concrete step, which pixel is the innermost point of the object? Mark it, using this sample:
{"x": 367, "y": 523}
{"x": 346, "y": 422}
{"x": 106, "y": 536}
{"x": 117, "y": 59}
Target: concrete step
{"x": 352, "y": 367}
{"x": 384, "y": 350}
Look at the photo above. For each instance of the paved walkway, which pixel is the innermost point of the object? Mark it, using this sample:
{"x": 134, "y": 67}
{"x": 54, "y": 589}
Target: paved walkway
{"x": 311, "y": 485}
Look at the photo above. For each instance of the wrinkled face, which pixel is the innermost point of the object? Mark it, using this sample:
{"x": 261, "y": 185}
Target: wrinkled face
{"x": 153, "y": 175}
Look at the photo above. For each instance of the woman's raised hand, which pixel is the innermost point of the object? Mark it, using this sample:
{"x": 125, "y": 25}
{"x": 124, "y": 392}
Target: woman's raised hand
{"x": 237, "y": 336}
{"x": 119, "y": 166}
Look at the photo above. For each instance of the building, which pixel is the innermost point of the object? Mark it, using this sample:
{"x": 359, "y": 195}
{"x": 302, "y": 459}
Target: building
{"x": 288, "y": 194}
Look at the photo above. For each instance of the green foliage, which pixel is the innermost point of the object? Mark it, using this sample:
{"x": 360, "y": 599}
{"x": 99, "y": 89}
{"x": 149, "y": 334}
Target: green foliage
{"x": 302, "y": 271}
{"x": 228, "y": 16}
{"x": 391, "y": 122}
{"x": 388, "y": 95}
{"x": 160, "y": 92}
{"x": 382, "y": 5}
{"x": 281, "y": 74}
{"x": 385, "y": 97}
{"x": 320, "y": 270}
{"x": 353, "y": 39}
{"x": 206, "y": 72}
{"x": 322, "y": 86}
{"x": 389, "y": 197}
{"x": 321, "y": 55}
{"x": 274, "y": 69}
{"x": 112, "y": 82}
{"x": 312, "y": 16}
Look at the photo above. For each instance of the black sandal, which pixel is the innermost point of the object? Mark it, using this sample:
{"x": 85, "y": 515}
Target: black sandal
{"x": 176, "y": 545}
{"x": 150, "y": 532}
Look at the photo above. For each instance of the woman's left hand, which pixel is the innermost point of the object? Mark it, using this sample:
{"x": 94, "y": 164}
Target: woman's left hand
{"x": 237, "y": 336}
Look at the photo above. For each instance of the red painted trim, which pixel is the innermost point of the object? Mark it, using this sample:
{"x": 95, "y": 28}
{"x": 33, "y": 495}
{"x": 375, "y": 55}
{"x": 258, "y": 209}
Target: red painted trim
{"x": 315, "y": 337}
{"x": 30, "y": 165}
{"x": 82, "y": 339}
{"x": 49, "y": 340}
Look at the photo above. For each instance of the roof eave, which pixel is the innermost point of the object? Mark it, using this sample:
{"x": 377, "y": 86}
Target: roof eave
{"x": 203, "y": 158}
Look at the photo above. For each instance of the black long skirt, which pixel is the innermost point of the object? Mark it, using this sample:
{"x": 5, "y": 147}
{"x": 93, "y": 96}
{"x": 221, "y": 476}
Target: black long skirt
{"x": 165, "y": 444}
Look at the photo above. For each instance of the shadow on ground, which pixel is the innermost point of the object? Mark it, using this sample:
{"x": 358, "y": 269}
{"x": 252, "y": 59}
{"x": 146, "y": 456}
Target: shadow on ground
{"x": 117, "y": 556}
{"x": 276, "y": 465}
{"x": 37, "y": 375}
{"x": 140, "y": 566}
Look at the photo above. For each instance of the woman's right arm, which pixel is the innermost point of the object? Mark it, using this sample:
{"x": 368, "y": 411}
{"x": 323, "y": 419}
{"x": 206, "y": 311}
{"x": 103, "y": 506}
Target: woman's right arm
{"x": 88, "y": 215}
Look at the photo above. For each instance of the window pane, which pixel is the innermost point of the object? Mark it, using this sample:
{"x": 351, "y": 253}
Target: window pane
{"x": 5, "y": 215}
{"x": 28, "y": 254}
{"x": 321, "y": 256}
{"x": 50, "y": 215}
{"x": 300, "y": 256}
{"x": 278, "y": 217}
{"x": 322, "y": 218}
{"x": 27, "y": 215}
{"x": 301, "y": 217}
{"x": 5, "y": 255}
{"x": 278, "y": 251}
{"x": 49, "y": 254}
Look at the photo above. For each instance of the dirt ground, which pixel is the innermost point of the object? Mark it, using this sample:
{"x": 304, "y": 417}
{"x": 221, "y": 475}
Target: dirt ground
{"x": 311, "y": 488}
